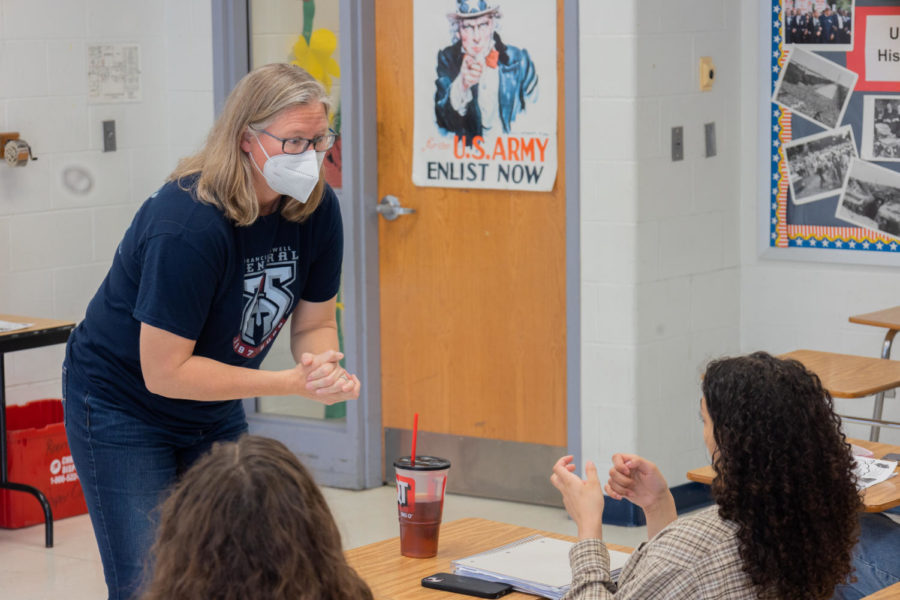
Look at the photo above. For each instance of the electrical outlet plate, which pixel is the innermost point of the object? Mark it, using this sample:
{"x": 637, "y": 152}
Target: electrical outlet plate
{"x": 707, "y": 73}
{"x": 109, "y": 136}
{"x": 6, "y": 137}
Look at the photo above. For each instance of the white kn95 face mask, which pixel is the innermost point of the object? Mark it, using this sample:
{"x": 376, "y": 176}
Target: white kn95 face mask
{"x": 293, "y": 175}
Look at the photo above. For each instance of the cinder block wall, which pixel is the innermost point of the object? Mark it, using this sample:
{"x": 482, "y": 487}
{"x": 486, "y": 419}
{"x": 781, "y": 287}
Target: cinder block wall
{"x": 55, "y": 246}
{"x": 660, "y": 247}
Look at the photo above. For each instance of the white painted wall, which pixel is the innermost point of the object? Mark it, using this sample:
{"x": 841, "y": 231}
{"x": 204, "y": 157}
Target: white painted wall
{"x": 660, "y": 243}
{"x": 55, "y": 247}
{"x": 786, "y": 305}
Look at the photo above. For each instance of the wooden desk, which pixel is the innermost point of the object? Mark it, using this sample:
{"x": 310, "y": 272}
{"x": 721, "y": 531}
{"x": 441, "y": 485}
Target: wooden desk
{"x": 889, "y": 319}
{"x": 395, "y": 577}
{"x": 42, "y": 332}
{"x": 848, "y": 375}
{"x": 877, "y": 498}
{"x": 888, "y": 593}
{"x": 851, "y": 376}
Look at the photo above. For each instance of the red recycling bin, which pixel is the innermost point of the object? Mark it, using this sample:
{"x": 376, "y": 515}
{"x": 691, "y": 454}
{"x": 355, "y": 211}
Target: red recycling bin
{"x": 37, "y": 454}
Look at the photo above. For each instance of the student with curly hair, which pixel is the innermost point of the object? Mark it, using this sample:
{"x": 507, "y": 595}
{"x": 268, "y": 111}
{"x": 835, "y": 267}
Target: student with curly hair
{"x": 248, "y": 522}
{"x": 785, "y": 518}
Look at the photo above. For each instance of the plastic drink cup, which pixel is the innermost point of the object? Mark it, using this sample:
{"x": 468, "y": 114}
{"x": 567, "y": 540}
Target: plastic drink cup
{"x": 420, "y": 502}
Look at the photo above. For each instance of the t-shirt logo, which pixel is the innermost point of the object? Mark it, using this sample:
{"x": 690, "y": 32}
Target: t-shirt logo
{"x": 267, "y": 300}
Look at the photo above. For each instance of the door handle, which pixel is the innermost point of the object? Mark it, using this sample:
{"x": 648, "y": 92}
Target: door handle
{"x": 390, "y": 208}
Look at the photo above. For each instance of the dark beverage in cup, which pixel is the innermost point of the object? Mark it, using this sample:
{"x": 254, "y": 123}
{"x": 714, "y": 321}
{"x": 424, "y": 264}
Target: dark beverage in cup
{"x": 419, "y": 534}
{"x": 420, "y": 502}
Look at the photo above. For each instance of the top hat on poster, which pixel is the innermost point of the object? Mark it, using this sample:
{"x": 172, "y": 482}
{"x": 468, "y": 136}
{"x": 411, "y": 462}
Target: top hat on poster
{"x": 470, "y": 9}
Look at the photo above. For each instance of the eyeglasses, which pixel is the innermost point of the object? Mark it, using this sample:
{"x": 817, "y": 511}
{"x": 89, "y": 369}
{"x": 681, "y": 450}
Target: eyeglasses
{"x": 299, "y": 145}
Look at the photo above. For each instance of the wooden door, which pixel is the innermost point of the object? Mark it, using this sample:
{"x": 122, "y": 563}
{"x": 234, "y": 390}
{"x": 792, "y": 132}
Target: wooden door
{"x": 473, "y": 322}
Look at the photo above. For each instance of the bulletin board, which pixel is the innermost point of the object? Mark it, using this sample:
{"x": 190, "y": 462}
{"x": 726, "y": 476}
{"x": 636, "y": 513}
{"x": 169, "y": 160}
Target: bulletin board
{"x": 832, "y": 129}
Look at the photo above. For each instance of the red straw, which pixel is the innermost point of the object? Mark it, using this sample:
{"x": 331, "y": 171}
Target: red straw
{"x": 415, "y": 434}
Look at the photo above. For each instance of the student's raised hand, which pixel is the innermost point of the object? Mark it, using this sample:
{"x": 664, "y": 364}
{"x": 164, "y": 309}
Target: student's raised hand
{"x": 583, "y": 498}
{"x": 636, "y": 479}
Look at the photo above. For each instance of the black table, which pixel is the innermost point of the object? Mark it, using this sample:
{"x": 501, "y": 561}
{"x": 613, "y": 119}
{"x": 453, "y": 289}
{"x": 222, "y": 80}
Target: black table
{"x": 42, "y": 332}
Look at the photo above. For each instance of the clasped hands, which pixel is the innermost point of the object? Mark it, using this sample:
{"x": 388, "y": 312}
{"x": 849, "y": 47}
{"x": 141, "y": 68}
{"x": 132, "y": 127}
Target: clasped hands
{"x": 324, "y": 379}
{"x": 630, "y": 477}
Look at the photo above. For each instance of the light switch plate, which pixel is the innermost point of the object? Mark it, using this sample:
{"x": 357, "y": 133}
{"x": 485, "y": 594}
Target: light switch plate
{"x": 709, "y": 130}
{"x": 109, "y": 136}
{"x": 677, "y": 143}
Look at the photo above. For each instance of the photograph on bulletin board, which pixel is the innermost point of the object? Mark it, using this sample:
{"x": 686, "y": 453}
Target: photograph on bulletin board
{"x": 835, "y": 125}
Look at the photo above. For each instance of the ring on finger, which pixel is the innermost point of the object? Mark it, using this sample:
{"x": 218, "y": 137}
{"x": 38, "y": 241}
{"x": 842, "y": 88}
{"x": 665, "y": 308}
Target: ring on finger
{"x": 344, "y": 377}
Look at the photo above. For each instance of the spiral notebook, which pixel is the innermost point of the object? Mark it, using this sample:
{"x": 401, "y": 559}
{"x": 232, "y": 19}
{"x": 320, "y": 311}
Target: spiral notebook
{"x": 534, "y": 565}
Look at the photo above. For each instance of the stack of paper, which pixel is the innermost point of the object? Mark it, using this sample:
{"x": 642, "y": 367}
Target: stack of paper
{"x": 534, "y": 565}
{"x": 870, "y": 471}
{"x": 10, "y": 326}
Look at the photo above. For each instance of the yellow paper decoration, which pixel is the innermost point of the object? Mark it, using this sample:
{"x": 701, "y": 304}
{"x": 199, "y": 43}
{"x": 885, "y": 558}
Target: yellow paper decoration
{"x": 316, "y": 58}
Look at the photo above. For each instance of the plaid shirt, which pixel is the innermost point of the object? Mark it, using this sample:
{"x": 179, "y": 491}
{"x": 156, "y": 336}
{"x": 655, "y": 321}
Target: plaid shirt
{"x": 693, "y": 558}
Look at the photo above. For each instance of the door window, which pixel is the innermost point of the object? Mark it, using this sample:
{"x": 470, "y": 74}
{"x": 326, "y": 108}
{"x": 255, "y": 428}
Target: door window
{"x": 304, "y": 33}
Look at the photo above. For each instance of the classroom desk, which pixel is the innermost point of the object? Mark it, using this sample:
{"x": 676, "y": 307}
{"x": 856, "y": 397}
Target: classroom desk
{"x": 877, "y": 498}
{"x": 888, "y": 593}
{"x": 889, "y": 319}
{"x": 43, "y": 332}
{"x": 395, "y": 577}
{"x": 851, "y": 376}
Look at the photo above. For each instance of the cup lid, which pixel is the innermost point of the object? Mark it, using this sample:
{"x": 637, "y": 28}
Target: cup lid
{"x": 423, "y": 463}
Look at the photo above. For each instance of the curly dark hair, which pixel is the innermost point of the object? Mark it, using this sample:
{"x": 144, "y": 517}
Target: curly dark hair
{"x": 247, "y": 521}
{"x": 784, "y": 474}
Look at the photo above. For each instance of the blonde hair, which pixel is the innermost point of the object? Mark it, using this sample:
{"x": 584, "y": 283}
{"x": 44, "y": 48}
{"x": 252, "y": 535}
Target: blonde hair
{"x": 225, "y": 177}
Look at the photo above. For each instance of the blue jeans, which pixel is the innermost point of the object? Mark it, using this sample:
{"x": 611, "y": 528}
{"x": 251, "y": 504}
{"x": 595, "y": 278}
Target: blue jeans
{"x": 126, "y": 467}
{"x": 876, "y": 557}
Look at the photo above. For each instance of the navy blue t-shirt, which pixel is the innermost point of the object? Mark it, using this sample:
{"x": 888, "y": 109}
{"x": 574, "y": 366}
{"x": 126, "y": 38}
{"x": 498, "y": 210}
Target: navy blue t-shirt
{"x": 182, "y": 266}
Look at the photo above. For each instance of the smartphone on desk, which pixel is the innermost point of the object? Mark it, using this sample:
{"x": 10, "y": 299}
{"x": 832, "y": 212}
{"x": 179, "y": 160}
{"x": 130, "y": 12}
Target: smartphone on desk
{"x": 466, "y": 585}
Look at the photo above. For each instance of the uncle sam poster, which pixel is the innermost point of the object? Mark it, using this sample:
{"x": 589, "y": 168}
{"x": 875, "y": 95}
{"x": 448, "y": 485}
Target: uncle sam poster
{"x": 485, "y": 94}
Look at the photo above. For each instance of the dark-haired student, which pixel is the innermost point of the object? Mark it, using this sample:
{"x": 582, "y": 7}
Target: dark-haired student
{"x": 785, "y": 515}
